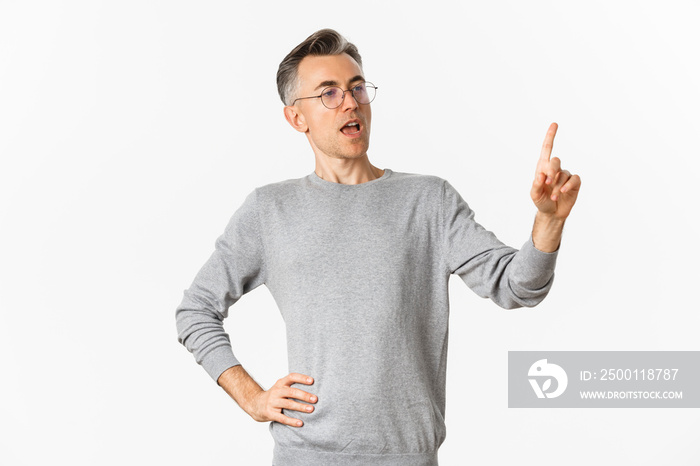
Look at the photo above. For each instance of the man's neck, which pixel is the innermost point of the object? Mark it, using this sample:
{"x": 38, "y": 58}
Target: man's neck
{"x": 346, "y": 171}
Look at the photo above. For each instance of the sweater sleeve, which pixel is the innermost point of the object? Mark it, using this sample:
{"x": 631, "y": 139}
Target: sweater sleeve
{"x": 234, "y": 268}
{"x": 511, "y": 278}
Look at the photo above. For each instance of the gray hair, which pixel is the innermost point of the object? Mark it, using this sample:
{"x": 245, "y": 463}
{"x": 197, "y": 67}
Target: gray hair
{"x": 320, "y": 43}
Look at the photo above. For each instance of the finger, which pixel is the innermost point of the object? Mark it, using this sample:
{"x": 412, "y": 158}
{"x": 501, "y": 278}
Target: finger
{"x": 286, "y": 420}
{"x": 548, "y": 143}
{"x": 538, "y": 184}
{"x": 538, "y": 187}
{"x": 286, "y": 403}
{"x": 572, "y": 185}
{"x": 297, "y": 394}
{"x": 561, "y": 179}
{"x": 297, "y": 378}
{"x": 552, "y": 170}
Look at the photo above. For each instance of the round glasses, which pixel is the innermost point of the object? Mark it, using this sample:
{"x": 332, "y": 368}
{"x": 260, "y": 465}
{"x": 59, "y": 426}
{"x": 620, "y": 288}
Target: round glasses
{"x": 333, "y": 96}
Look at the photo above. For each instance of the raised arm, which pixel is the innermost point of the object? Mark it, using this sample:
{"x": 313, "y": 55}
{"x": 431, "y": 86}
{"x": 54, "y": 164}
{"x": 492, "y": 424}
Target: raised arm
{"x": 509, "y": 277}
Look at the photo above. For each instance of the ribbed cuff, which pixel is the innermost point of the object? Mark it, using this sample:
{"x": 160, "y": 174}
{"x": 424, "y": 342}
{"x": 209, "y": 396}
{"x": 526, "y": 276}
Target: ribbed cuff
{"x": 537, "y": 260}
{"x": 218, "y": 360}
{"x": 531, "y": 274}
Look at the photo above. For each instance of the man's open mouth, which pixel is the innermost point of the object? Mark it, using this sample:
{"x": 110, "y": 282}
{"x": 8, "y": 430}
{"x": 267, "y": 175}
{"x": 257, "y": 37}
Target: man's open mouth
{"x": 351, "y": 128}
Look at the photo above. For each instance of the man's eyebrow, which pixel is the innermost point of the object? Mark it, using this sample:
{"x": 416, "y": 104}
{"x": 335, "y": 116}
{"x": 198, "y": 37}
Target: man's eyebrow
{"x": 335, "y": 83}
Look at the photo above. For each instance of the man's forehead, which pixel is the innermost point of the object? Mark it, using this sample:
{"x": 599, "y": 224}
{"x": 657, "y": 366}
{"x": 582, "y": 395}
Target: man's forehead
{"x": 314, "y": 71}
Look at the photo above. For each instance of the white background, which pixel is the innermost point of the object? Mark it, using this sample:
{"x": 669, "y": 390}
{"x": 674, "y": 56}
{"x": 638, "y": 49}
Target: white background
{"x": 130, "y": 131}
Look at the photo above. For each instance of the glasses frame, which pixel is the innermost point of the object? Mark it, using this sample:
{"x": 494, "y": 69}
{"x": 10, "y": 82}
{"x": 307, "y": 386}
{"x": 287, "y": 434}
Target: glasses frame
{"x": 352, "y": 92}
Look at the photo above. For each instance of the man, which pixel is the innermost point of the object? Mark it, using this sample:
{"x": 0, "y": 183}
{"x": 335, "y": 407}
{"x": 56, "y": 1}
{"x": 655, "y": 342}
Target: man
{"x": 358, "y": 260}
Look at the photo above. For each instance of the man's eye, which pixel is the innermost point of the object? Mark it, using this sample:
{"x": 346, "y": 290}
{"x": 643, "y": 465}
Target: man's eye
{"x": 330, "y": 93}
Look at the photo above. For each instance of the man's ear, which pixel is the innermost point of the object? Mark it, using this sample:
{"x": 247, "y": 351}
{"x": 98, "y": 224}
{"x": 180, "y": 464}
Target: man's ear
{"x": 296, "y": 119}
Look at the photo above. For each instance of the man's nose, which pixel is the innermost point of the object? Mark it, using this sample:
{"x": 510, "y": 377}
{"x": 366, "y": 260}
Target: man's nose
{"x": 349, "y": 102}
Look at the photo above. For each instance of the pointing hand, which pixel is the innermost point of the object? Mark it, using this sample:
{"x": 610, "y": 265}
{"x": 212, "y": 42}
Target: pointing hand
{"x": 554, "y": 190}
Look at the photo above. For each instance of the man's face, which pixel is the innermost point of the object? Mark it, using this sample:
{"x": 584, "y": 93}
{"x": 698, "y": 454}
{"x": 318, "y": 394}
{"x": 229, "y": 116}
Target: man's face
{"x": 326, "y": 128}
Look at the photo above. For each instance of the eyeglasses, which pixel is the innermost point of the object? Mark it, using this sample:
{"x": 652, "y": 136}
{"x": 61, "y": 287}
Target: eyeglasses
{"x": 332, "y": 97}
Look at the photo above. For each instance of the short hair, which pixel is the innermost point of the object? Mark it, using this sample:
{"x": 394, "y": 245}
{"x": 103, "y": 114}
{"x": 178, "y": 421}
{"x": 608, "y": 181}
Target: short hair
{"x": 321, "y": 43}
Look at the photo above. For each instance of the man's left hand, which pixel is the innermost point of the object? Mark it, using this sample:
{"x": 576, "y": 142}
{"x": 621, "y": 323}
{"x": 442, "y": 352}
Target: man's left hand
{"x": 554, "y": 190}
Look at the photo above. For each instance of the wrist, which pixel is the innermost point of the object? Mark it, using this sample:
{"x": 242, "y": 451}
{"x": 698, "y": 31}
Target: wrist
{"x": 547, "y": 232}
{"x": 241, "y": 387}
{"x": 549, "y": 220}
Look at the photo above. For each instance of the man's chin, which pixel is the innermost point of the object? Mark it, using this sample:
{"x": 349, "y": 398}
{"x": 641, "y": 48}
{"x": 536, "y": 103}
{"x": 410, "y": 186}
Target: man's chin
{"x": 358, "y": 148}
{"x": 350, "y": 150}
{"x": 358, "y": 154}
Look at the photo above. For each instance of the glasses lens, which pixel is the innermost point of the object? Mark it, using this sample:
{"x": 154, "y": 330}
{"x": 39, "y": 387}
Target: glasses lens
{"x": 332, "y": 97}
{"x": 364, "y": 93}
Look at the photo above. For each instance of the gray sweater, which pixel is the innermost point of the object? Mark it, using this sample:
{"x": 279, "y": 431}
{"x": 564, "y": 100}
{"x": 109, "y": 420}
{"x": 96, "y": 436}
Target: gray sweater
{"x": 360, "y": 274}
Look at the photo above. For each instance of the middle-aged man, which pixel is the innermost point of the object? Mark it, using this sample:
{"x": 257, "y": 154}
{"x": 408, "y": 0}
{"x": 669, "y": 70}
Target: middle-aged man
{"x": 358, "y": 260}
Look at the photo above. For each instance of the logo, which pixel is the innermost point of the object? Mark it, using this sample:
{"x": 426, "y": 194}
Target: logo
{"x": 542, "y": 370}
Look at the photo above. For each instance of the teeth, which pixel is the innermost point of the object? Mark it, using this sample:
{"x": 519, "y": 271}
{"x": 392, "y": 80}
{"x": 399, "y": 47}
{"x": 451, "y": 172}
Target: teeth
{"x": 352, "y": 124}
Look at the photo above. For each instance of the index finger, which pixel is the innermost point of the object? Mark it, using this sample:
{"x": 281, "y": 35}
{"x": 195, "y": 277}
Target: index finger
{"x": 548, "y": 143}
